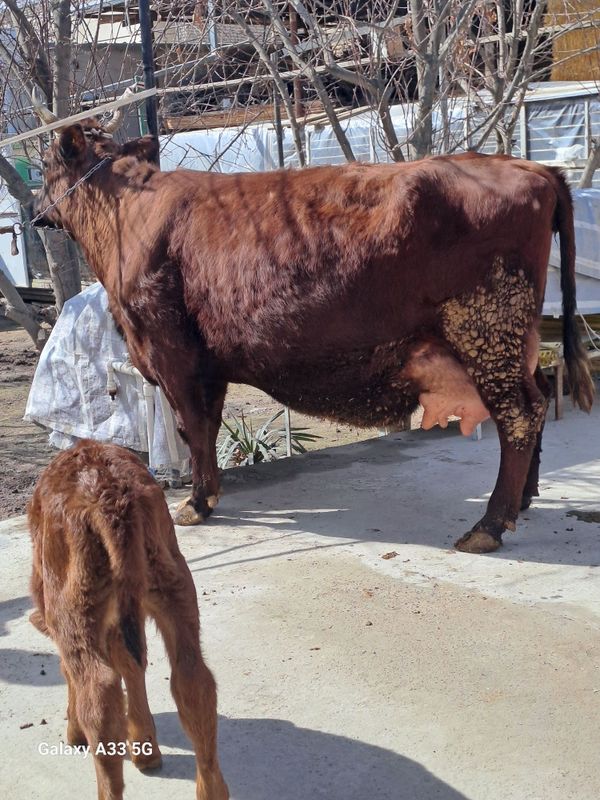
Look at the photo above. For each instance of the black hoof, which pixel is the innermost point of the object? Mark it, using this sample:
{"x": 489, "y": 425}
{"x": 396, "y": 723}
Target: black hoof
{"x": 525, "y": 503}
{"x": 186, "y": 514}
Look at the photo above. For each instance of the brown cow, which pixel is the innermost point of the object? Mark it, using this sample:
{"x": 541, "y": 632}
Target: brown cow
{"x": 104, "y": 557}
{"x": 349, "y": 292}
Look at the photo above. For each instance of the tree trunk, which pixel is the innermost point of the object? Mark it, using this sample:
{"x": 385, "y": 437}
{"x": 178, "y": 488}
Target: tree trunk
{"x": 63, "y": 265}
{"x": 61, "y": 94}
{"x": 422, "y": 138}
{"x": 14, "y": 308}
{"x": 592, "y": 164}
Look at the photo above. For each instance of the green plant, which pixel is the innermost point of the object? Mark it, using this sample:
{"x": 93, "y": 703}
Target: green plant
{"x": 241, "y": 445}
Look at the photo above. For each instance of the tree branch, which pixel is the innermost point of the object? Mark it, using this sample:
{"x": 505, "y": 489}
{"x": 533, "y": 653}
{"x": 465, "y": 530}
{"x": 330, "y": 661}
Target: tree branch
{"x": 592, "y": 164}
{"x": 14, "y": 308}
{"x": 277, "y": 79}
{"x": 314, "y": 78}
{"x": 61, "y": 15}
{"x": 31, "y": 45}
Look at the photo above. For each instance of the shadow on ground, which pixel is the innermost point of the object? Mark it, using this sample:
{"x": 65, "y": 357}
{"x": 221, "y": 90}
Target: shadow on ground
{"x": 272, "y": 758}
{"x": 12, "y": 609}
{"x": 390, "y": 489}
{"x": 31, "y": 669}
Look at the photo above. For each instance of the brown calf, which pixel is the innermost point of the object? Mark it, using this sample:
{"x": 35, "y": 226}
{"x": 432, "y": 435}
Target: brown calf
{"x": 105, "y": 556}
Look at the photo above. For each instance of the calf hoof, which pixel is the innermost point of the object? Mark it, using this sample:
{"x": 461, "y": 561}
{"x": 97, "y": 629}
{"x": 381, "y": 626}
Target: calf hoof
{"x": 143, "y": 762}
{"x": 186, "y": 514}
{"x": 75, "y": 736}
{"x": 37, "y": 620}
{"x": 478, "y": 542}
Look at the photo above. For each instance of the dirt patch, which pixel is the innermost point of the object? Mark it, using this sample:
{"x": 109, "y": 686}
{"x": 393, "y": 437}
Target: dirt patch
{"x": 24, "y": 449}
{"x": 585, "y": 516}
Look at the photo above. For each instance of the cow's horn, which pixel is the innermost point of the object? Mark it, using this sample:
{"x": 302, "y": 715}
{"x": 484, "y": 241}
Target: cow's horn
{"x": 39, "y": 106}
{"x": 117, "y": 118}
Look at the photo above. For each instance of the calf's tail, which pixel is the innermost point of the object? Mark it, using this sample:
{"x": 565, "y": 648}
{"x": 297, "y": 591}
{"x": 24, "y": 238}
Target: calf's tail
{"x": 578, "y": 366}
{"x": 122, "y": 535}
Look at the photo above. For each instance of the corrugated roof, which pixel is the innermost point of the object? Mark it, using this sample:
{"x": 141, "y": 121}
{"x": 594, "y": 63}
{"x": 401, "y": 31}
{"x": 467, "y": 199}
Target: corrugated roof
{"x": 559, "y": 90}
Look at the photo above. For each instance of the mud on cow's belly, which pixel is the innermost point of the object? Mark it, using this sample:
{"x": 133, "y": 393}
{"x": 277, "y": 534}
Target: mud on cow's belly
{"x": 380, "y": 386}
{"x": 363, "y": 388}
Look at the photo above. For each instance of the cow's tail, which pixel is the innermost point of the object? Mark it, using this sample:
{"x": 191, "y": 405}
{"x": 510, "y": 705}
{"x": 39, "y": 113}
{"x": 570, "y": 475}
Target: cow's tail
{"x": 580, "y": 379}
{"x": 120, "y": 529}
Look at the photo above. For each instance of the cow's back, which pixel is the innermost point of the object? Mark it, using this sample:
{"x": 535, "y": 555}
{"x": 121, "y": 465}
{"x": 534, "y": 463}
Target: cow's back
{"x": 353, "y": 255}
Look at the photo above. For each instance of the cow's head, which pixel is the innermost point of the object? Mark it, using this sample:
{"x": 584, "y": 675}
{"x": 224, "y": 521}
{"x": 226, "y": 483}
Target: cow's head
{"x": 86, "y": 153}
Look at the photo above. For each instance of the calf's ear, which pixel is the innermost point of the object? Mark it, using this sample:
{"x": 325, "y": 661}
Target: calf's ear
{"x": 72, "y": 143}
{"x": 145, "y": 148}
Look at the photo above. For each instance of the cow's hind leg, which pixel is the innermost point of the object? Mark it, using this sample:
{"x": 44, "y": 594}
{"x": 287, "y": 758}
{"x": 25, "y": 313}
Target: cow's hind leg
{"x": 504, "y": 504}
{"x": 531, "y": 484}
{"x": 174, "y": 608}
{"x": 493, "y": 332}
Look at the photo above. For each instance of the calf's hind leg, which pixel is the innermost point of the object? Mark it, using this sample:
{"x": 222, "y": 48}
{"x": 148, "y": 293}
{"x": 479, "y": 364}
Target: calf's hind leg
{"x": 75, "y": 734}
{"x": 141, "y": 730}
{"x": 174, "y": 608}
{"x": 100, "y": 711}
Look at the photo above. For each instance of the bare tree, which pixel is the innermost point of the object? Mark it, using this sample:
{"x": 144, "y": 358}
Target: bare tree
{"x": 29, "y": 65}
{"x": 430, "y": 75}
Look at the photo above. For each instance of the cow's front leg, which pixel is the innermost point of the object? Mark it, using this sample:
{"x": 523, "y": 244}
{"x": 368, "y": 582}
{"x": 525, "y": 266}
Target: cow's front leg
{"x": 199, "y": 426}
{"x": 196, "y": 396}
{"x": 196, "y": 393}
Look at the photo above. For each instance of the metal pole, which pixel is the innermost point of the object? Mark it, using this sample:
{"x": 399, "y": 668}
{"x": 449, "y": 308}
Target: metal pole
{"x": 288, "y": 431}
{"x": 212, "y": 27}
{"x": 280, "y": 157}
{"x": 148, "y": 63}
{"x": 278, "y": 126}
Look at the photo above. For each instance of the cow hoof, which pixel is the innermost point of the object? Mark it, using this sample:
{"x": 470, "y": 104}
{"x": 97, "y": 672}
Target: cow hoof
{"x": 525, "y": 503}
{"x": 478, "y": 542}
{"x": 186, "y": 514}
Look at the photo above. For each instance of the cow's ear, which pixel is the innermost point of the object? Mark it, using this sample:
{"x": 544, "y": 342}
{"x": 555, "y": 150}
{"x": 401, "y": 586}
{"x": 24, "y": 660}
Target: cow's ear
{"x": 72, "y": 143}
{"x": 145, "y": 149}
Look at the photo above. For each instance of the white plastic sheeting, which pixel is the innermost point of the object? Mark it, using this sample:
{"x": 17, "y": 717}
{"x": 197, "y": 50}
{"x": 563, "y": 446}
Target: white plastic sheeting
{"x": 69, "y": 390}
{"x": 555, "y": 117}
{"x": 15, "y": 267}
{"x": 255, "y": 147}
{"x": 587, "y": 264}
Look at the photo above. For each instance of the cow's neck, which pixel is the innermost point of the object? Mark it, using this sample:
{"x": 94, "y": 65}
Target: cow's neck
{"x": 94, "y": 223}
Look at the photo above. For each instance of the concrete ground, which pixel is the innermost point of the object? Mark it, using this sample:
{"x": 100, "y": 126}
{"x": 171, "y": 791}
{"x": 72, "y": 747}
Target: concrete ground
{"x": 345, "y": 675}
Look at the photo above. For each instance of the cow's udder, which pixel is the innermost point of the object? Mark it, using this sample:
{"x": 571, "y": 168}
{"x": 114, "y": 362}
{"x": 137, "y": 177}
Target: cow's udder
{"x": 445, "y": 389}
